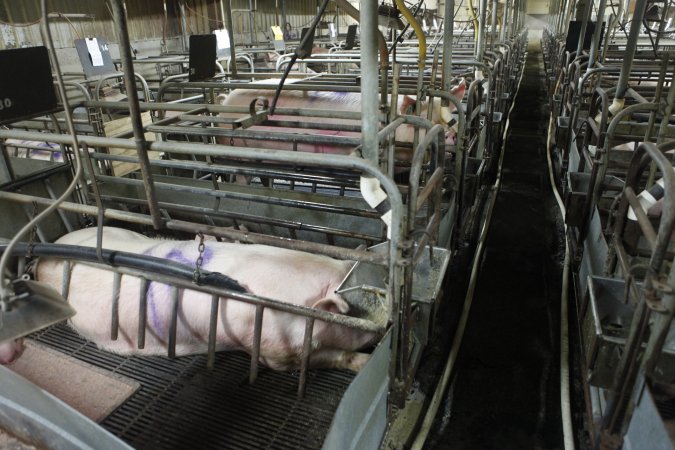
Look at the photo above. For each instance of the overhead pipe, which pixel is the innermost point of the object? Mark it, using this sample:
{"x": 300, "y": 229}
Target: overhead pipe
{"x": 120, "y": 18}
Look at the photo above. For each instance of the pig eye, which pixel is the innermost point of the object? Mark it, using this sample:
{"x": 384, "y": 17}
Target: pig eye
{"x": 452, "y": 122}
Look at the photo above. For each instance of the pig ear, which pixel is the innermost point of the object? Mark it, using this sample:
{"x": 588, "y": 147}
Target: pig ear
{"x": 407, "y": 103}
{"x": 220, "y": 100}
{"x": 458, "y": 91}
{"x": 335, "y": 305}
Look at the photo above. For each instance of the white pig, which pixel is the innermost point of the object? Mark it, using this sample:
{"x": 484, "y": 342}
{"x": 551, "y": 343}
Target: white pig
{"x": 335, "y": 101}
{"x": 286, "y": 275}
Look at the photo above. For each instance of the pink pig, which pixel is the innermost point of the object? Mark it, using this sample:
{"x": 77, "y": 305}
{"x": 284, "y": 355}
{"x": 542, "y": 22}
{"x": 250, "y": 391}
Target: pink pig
{"x": 285, "y": 275}
{"x": 335, "y": 101}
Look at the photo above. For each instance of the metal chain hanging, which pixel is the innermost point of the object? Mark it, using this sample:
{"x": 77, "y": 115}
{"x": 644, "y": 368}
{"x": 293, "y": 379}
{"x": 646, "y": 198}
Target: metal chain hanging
{"x": 196, "y": 275}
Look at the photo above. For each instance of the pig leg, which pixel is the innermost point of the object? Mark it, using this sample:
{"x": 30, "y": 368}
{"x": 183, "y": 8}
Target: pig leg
{"x": 10, "y": 351}
{"x": 338, "y": 359}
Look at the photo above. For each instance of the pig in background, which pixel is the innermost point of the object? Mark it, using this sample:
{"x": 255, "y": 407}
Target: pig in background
{"x": 281, "y": 274}
{"x": 49, "y": 151}
{"x": 335, "y": 101}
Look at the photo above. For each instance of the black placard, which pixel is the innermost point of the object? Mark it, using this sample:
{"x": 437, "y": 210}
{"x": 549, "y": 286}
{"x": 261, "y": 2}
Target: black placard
{"x": 351, "y": 37}
{"x": 90, "y": 66}
{"x": 202, "y": 56}
{"x": 573, "y": 31}
{"x": 306, "y": 50}
{"x": 26, "y": 85}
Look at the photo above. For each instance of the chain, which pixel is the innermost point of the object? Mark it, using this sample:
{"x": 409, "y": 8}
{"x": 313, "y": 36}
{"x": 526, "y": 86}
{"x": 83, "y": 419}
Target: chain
{"x": 196, "y": 275}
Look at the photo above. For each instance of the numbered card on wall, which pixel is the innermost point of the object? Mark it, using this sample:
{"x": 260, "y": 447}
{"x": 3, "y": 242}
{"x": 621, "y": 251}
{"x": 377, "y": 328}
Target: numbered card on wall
{"x": 222, "y": 42}
{"x": 26, "y": 84}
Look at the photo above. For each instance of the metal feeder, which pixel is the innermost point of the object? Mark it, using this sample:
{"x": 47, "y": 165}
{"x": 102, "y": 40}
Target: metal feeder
{"x": 33, "y": 307}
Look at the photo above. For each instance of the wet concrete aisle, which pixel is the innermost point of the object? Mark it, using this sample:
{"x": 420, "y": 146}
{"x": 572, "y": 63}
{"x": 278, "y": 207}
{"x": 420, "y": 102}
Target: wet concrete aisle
{"x": 505, "y": 392}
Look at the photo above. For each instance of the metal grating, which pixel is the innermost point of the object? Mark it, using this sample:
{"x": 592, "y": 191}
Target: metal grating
{"x": 182, "y": 405}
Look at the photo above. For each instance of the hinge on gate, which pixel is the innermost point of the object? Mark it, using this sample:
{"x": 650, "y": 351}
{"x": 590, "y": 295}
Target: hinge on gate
{"x": 653, "y": 296}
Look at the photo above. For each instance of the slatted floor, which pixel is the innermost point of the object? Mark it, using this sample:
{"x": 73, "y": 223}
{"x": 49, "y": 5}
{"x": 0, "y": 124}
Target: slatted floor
{"x": 181, "y": 404}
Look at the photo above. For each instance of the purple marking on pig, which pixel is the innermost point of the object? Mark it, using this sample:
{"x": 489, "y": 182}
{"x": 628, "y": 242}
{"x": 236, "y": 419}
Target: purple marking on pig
{"x": 178, "y": 256}
{"x": 159, "y": 290}
{"x": 155, "y": 290}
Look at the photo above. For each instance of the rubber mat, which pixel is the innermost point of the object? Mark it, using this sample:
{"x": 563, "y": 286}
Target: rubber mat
{"x": 90, "y": 390}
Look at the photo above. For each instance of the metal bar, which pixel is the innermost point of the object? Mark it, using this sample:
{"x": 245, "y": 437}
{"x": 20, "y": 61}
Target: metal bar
{"x": 213, "y": 330}
{"x": 142, "y": 312}
{"x": 62, "y": 215}
{"x": 631, "y": 46}
{"x": 65, "y": 279}
{"x": 480, "y": 43}
{"x": 436, "y": 178}
{"x": 288, "y": 224}
{"x": 255, "y": 349}
{"x": 593, "y": 52}
{"x": 115, "y": 313}
{"x": 493, "y": 27}
{"x": 134, "y": 111}
{"x": 584, "y": 24}
{"x": 306, "y": 353}
{"x": 173, "y": 324}
{"x": 315, "y": 206}
{"x": 369, "y": 81}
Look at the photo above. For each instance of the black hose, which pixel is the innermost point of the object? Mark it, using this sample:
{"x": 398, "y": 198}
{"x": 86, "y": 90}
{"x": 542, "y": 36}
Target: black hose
{"x": 300, "y": 52}
{"x": 147, "y": 263}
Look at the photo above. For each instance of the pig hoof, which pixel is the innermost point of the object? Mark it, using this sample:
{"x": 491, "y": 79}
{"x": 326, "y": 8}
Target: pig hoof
{"x": 355, "y": 361}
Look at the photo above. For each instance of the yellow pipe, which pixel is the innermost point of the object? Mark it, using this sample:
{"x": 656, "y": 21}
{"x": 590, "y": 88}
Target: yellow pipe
{"x": 418, "y": 32}
{"x": 475, "y": 21}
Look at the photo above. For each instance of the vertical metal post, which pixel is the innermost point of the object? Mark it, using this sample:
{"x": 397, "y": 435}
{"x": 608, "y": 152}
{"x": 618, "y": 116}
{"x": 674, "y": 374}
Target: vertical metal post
{"x": 369, "y": 80}
{"x": 251, "y": 21}
{"x": 230, "y": 33}
{"x": 120, "y": 18}
{"x": 480, "y": 44}
{"x": 493, "y": 27}
{"x": 505, "y": 18}
{"x": 584, "y": 25}
{"x": 631, "y": 45}
{"x": 593, "y": 52}
{"x": 448, "y": 29}
{"x": 183, "y": 24}
{"x": 283, "y": 15}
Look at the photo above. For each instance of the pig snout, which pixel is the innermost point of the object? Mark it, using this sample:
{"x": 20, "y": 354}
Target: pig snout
{"x": 451, "y": 137}
{"x": 10, "y": 351}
